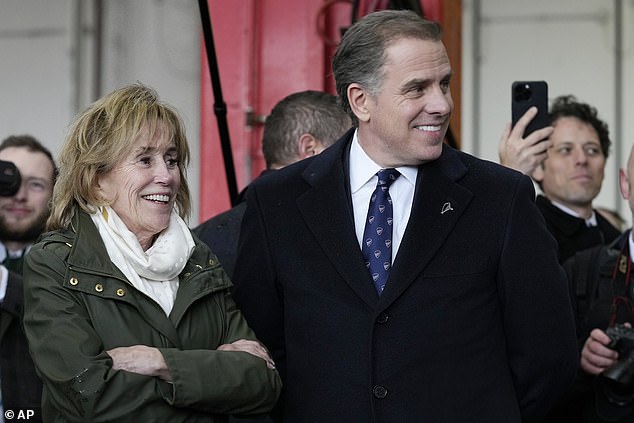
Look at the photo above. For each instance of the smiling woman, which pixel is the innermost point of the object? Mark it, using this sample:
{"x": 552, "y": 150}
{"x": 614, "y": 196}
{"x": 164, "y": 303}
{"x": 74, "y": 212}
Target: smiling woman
{"x": 120, "y": 297}
{"x": 150, "y": 176}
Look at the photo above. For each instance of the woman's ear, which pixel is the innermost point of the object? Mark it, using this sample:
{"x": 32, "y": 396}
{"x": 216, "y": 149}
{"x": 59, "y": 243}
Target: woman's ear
{"x": 98, "y": 190}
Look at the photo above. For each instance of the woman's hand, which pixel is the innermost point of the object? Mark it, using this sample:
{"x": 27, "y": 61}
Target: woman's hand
{"x": 595, "y": 355}
{"x": 252, "y": 347}
{"x": 149, "y": 361}
{"x": 140, "y": 359}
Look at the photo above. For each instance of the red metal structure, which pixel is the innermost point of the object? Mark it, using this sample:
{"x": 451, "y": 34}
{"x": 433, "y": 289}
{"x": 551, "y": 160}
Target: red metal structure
{"x": 267, "y": 49}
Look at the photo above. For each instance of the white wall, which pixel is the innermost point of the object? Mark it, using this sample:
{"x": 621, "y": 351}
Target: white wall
{"x": 36, "y": 79}
{"x": 157, "y": 42}
{"x": 48, "y": 73}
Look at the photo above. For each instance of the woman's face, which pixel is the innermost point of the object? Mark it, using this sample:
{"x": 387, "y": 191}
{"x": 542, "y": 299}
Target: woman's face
{"x": 143, "y": 187}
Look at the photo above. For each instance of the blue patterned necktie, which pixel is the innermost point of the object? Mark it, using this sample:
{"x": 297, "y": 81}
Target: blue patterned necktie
{"x": 377, "y": 236}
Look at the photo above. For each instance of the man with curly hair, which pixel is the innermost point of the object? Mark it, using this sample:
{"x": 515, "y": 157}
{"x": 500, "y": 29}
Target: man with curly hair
{"x": 569, "y": 168}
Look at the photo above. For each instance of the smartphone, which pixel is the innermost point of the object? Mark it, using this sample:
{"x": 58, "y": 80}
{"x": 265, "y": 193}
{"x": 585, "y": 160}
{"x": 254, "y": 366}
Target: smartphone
{"x": 526, "y": 94}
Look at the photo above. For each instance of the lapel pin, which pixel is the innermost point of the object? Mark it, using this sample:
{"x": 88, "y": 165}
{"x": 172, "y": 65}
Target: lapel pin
{"x": 446, "y": 207}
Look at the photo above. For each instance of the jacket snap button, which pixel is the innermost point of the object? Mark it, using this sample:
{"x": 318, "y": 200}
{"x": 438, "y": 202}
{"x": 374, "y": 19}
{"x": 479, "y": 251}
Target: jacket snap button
{"x": 73, "y": 281}
{"x": 379, "y": 391}
{"x": 99, "y": 287}
{"x": 383, "y": 318}
{"x": 120, "y": 292}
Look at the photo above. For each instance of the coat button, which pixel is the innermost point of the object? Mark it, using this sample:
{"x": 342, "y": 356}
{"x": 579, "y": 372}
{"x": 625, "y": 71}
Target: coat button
{"x": 379, "y": 391}
{"x": 120, "y": 292}
{"x": 383, "y": 318}
{"x": 73, "y": 281}
{"x": 99, "y": 287}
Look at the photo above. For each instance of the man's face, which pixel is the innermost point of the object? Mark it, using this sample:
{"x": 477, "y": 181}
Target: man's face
{"x": 573, "y": 172}
{"x": 406, "y": 121}
{"x": 22, "y": 217}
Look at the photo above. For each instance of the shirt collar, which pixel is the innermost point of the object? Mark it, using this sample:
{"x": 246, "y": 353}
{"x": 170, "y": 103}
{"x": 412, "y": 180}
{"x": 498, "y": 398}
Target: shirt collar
{"x": 363, "y": 168}
{"x": 591, "y": 221}
{"x": 4, "y": 281}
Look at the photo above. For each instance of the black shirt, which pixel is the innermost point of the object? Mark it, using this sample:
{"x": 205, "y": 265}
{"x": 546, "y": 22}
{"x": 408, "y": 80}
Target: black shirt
{"x": 571, "y": 232}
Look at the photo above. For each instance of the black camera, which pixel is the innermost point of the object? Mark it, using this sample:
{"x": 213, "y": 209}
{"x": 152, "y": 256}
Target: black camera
{"x": 10, "y": 179}
{"x": 618, "y": 380}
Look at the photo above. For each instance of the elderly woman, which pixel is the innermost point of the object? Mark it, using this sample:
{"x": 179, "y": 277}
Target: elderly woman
{"x": 128, "y": 317}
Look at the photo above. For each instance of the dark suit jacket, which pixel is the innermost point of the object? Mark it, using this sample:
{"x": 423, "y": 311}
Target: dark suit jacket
{"x": 21, "y": 387}
{"x": 221, "y": 233}
{"x": 572, "y": 233}
{"x": 475, "y": 323}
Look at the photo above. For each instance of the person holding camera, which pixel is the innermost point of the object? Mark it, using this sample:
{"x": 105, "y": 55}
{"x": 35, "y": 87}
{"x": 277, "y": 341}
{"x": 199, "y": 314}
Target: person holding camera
{"x": 601, "y": 279}
{"x": 567, "y": 160}
{"x": 23, "y": 214}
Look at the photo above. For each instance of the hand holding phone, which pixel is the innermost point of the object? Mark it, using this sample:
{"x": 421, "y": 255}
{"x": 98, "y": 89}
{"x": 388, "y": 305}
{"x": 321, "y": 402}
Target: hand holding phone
{"x": 526, "y": 94}
{"x": 524, "y": 144}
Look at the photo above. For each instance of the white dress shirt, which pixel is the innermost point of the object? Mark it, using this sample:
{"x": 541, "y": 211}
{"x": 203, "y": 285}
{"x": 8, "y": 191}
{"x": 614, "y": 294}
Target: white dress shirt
{"x": 363, "y": 182}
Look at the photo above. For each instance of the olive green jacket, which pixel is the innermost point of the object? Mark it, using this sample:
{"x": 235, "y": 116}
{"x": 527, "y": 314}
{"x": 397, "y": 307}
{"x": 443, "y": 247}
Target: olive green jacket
{"x": 78, "y": 305}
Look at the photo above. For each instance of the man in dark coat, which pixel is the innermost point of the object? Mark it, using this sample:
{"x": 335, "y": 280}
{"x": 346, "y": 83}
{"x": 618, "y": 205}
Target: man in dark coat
{"x": 601, "y": 279}
{"x": 474, "y": 323}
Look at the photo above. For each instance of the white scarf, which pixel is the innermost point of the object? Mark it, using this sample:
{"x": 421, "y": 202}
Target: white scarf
{"x": 155, "y": 271}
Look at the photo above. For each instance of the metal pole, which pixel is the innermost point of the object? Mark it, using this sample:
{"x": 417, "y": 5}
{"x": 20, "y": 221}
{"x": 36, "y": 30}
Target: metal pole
{"x": 220, "y": 108}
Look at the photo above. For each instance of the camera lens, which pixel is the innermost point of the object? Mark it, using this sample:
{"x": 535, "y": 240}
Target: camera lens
{"x": 523, "y": 92}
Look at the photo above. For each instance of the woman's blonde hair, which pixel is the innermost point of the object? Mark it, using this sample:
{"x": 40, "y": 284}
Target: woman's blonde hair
{"x": 101, "y": 136}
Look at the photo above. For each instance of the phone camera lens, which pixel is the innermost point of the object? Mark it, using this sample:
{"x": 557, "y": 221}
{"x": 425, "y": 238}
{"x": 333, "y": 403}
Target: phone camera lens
{"x": 523, "y": 92}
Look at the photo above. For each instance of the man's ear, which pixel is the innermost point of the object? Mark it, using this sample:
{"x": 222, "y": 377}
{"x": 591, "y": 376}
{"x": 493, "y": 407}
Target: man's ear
{"x": 538, "y": 173}
{"x": 624, "y": 184}
{"x": 358, "y": 99}
{"x": 308, "y": 146}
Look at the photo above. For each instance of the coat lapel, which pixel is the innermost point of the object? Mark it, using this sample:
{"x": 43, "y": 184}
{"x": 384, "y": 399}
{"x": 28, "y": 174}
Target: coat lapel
{"x": 439, "y": 202}
{"x": 327, "y": 210}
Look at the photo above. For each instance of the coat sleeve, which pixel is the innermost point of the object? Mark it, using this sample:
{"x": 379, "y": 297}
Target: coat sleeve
{"x": 68, "y": 354}
{"x": 225, "y": 382}
{"x": 77, "y": 372}
{"x": 538, "y": 314}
